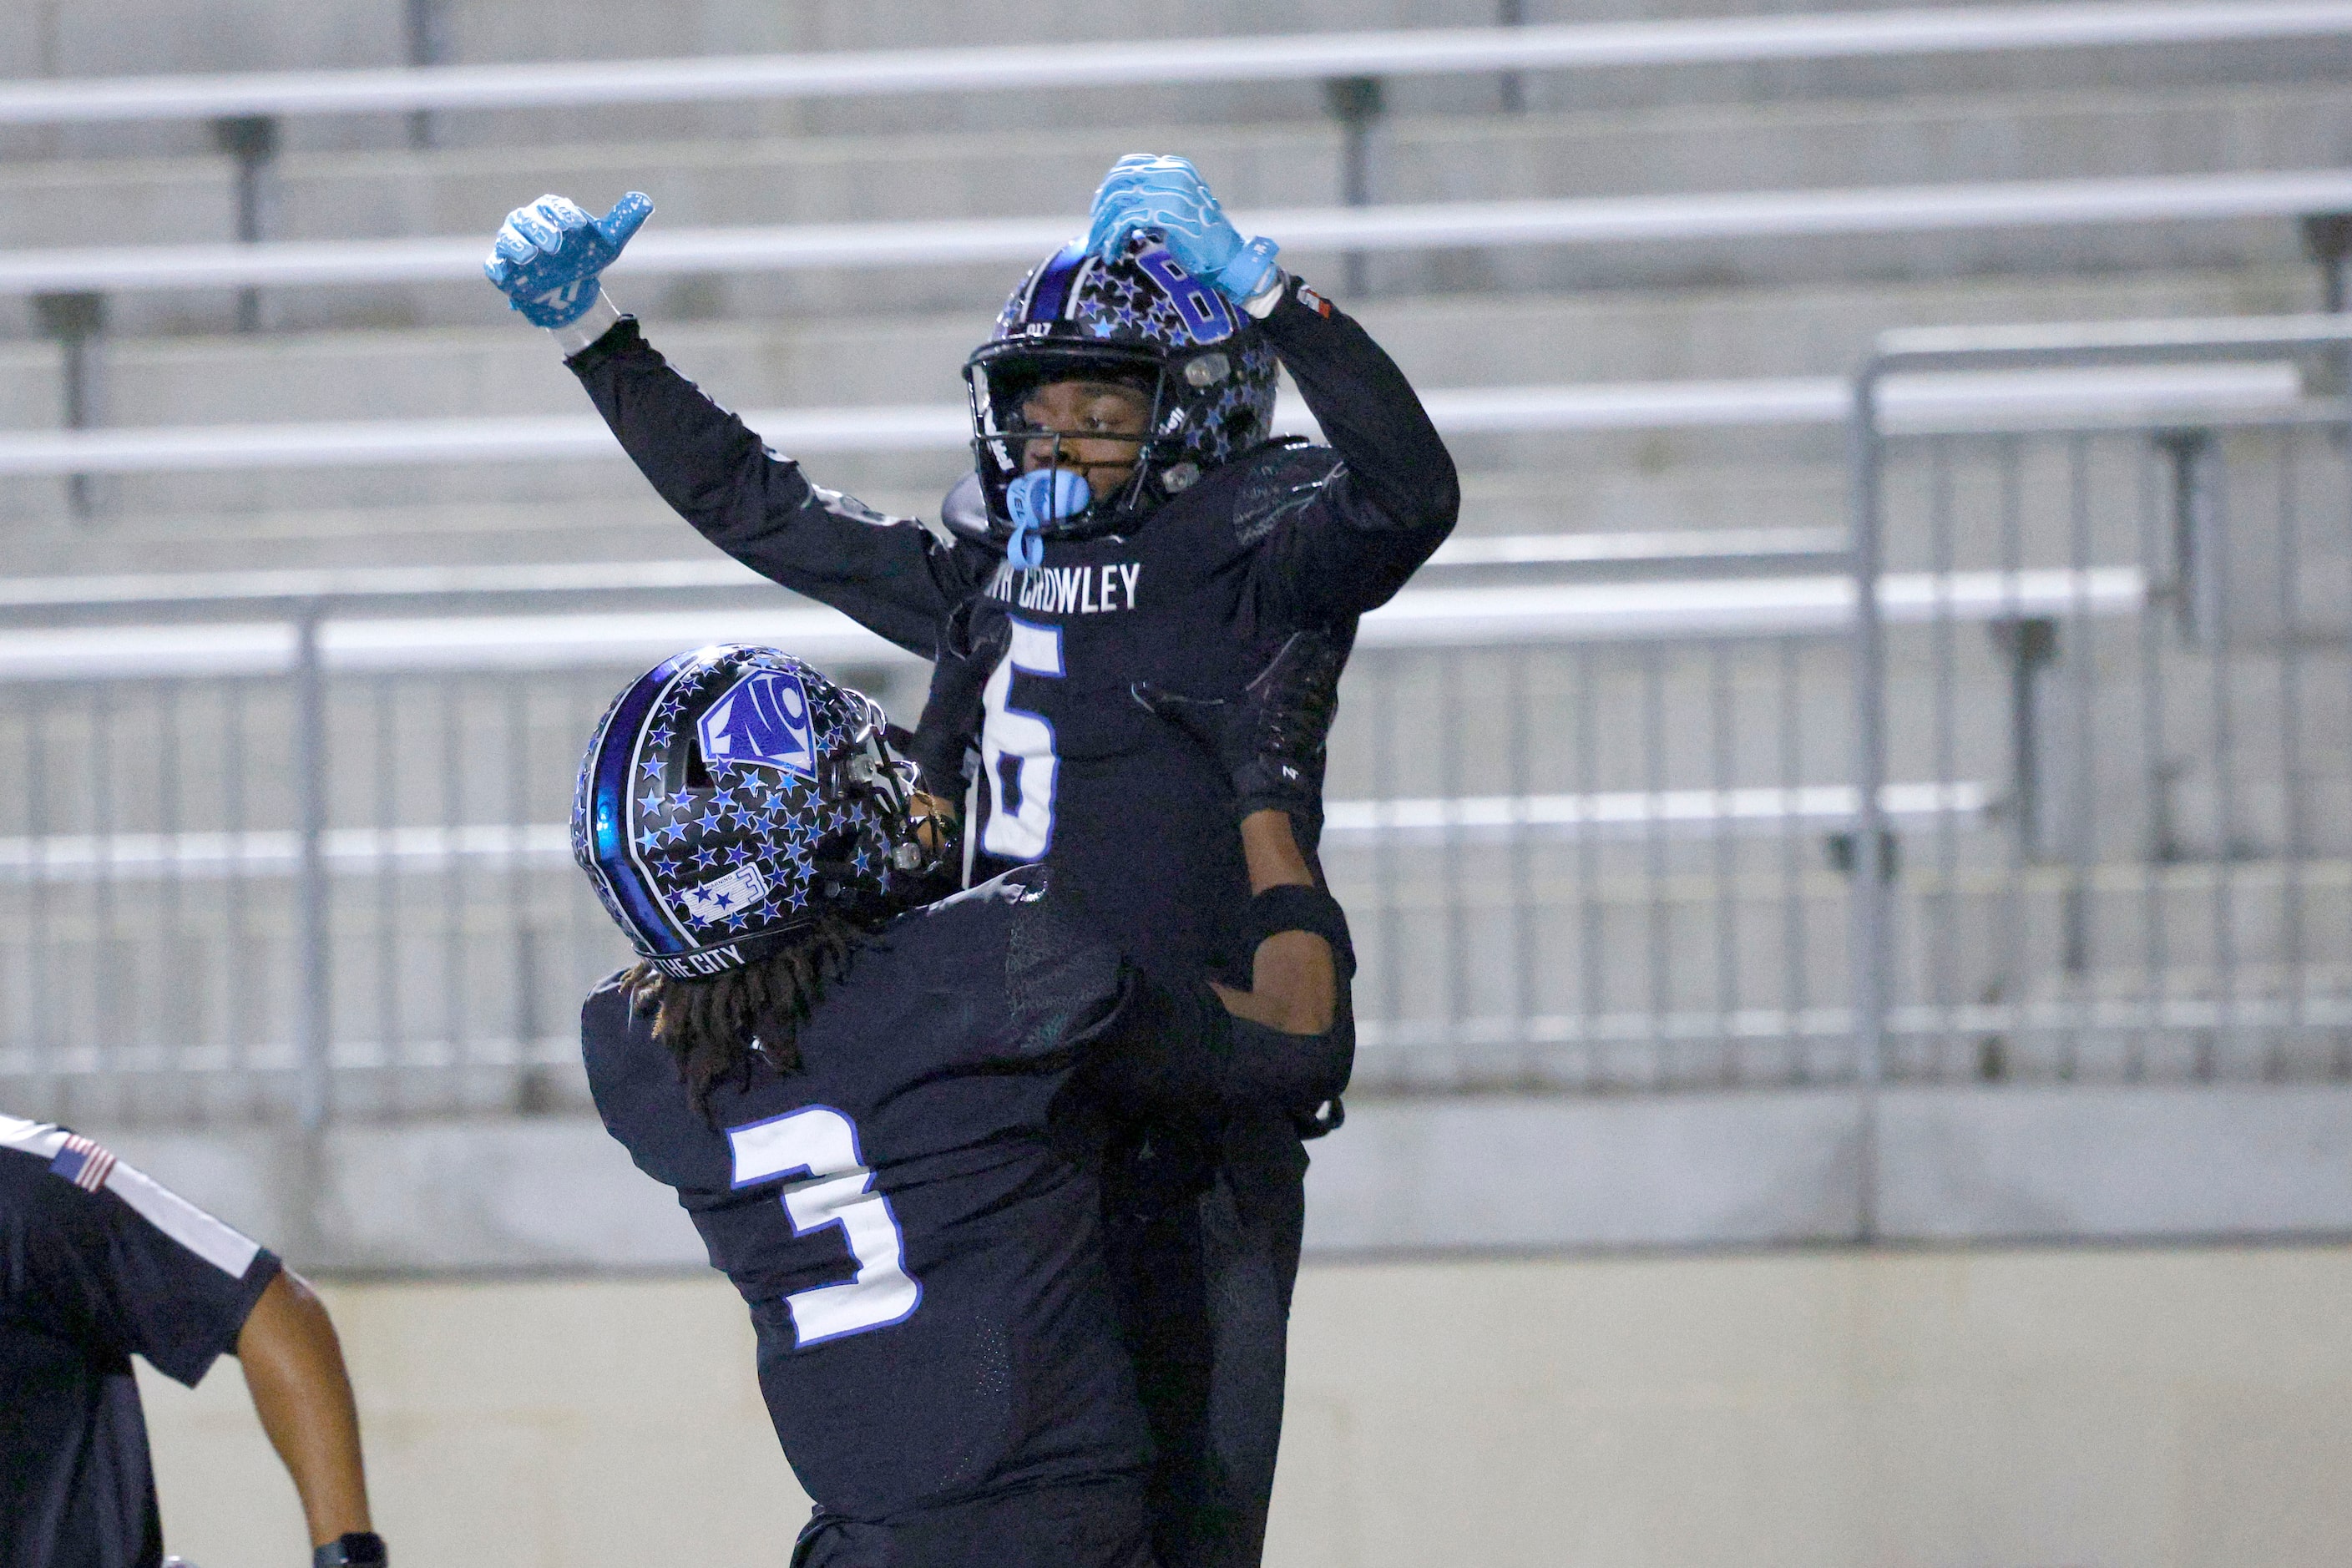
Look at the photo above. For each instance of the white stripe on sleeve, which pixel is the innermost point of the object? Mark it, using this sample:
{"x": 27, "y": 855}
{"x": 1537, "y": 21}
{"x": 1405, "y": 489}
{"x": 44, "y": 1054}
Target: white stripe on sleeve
{"x": 31, "y": 1136}
{"x": 182, "y": 1221}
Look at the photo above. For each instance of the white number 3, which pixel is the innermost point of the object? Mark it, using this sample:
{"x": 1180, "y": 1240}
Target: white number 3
{"x": 839, "y": 1190}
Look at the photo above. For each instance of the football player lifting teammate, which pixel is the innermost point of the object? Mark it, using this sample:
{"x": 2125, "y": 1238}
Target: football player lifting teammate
{"x": 1131, "y": 519}
{"x": 887, "y": 1121}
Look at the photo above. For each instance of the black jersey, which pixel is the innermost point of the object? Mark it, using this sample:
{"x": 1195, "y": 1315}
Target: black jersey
{"x": 1195, "y": 601}
{"x": 98, "y": 1263}
{"x": 1135, "y": 820}
{"x": 913, "y": 1216}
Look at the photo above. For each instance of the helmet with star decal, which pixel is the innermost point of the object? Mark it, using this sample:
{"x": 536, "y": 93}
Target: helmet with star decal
{"x": 732, "y": 797}
{"x": 1207, "y": 369}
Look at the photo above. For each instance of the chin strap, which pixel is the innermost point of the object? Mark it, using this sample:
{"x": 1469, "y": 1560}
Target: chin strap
{"x": 1024, "y": 549}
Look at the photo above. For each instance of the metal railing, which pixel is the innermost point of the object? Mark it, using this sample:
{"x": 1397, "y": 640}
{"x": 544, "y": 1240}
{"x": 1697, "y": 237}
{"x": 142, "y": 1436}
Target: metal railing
{"x": 305, "y": 853}
{"x": 2183, "y": 392}
{"x": 1395, "y": 226}
{"x": 2068, "y": 800}
{"x": 1174, "y": 62}
{"x": 2163, "y": 892}
{"x": 2050, "y": 778}
{"x": 308, "y": 852}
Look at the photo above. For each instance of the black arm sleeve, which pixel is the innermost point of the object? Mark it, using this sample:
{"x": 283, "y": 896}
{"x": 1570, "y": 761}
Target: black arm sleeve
{"x": 1357, "y": 535}
{"x": 891, "y": 575}
{"x": 952, "y": 708}
{"x": 135, "y": 1269}
{"x": 1175, "y": 1048}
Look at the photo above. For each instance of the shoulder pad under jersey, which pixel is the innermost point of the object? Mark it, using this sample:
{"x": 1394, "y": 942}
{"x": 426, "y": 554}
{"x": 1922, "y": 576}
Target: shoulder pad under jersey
{"x": 965, "y": 512}
{"x": 1019, "y": 885}
{"x": 1278, "y": 480}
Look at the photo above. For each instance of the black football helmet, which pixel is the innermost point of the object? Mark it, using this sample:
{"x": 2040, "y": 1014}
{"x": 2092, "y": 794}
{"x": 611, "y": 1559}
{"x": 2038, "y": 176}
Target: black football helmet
{"x": 1206, "y": 367}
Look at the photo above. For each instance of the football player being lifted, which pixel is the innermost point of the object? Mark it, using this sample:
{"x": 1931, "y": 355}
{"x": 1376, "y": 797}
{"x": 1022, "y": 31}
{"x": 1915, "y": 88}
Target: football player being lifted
{"x": 887, "y": 1121}
{"x": 1129, "y": 518}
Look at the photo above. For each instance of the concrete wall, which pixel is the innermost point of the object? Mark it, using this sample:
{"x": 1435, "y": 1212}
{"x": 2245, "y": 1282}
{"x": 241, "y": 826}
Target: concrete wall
{"x": 1440, "y": 1173}
{"x": 2139, "y": 1409}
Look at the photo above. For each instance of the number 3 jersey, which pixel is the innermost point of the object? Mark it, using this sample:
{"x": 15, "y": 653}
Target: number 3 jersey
{"x": 913, "y": 1216}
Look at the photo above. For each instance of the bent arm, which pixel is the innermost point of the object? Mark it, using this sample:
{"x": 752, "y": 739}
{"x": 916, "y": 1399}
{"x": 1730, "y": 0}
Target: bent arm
{"x": 1293, "y": 975}
{"x": 1287, "y": 1043}
{"x": 1347, "y": 545}
{"x": 890, "y": 575}
{"x": 294, "y": 1369}
{"x": 1182, "y": 1049}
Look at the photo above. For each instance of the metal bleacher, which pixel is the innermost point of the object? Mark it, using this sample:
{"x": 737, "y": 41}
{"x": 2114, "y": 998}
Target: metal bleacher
{"x": 1737, "y": 40}
{"x": 261, "y": 417}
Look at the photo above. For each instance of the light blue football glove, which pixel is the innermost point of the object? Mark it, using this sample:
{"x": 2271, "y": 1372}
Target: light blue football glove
{"x": 1145, "y": 190}
{"x": 548, "y": 256}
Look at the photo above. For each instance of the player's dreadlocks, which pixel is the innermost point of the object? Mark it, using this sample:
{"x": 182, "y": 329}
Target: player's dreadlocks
{"x": 713, "y": 1027}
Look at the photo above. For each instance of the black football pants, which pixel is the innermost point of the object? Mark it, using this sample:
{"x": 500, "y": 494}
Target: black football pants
{"x": 1203, "y": 1224}
{"x": 1098, "y": 1524}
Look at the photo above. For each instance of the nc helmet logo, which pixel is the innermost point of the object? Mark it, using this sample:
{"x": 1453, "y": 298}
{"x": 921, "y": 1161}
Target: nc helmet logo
{"x": 762, "y": 720}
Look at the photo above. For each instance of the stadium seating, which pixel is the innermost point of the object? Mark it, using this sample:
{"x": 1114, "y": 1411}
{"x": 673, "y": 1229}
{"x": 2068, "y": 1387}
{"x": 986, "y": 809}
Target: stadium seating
{"x": 1701, "y": 309}
{"x": 1719, "y": 309}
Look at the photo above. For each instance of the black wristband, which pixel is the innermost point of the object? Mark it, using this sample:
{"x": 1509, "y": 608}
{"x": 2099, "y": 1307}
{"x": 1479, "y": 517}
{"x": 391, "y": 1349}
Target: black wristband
{"x": 356, "y": 1549}
{"x": 1290, "y": 907}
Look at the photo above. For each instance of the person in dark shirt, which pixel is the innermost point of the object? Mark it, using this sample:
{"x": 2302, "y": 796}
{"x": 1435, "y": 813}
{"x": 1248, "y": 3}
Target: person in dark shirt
{"x": 1129, "y": 518}
{"x": 886, "y": 1123}
{"x": 98, "y": 1263}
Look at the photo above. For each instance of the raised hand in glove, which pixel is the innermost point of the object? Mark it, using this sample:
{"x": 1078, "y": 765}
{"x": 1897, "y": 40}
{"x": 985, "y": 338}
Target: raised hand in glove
{"x": 548, "y": 256}
{"x": 1166, "y": 195}
{"x": 1270, "y": 739}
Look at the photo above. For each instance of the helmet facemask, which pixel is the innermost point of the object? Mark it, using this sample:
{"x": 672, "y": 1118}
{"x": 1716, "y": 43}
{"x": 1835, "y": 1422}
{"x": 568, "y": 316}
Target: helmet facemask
{"x": 1207, "y": 371}
{"x": 1003, "y": 378}
{"x": 868, "y": 764}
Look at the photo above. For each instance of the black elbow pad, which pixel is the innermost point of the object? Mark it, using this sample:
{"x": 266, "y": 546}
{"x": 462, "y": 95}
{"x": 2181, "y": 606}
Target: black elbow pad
{"x": 1312, "y": 910}
{"x": 1293, "y": 1073}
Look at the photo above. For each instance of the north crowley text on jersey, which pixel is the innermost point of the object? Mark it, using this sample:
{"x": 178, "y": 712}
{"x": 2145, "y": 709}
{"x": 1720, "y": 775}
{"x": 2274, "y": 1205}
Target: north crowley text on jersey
{"x": 1068, "y": 590}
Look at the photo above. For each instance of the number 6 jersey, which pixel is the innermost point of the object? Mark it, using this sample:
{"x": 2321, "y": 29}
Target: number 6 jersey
{"x": 1195, "y": 600}
{"x": 913, "y": 1216}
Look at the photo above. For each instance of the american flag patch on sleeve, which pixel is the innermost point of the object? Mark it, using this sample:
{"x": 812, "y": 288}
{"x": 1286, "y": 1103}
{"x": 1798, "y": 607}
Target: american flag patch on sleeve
{"x": 83, "y": 1162}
